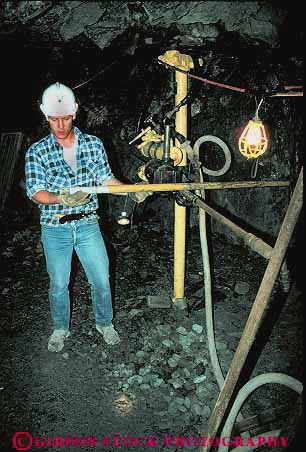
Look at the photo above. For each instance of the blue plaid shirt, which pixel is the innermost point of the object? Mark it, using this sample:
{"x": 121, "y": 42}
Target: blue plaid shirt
{"x": 46, "y": 169}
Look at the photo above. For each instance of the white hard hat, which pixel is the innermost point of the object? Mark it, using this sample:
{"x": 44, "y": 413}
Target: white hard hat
{"x": 58, "y": 100}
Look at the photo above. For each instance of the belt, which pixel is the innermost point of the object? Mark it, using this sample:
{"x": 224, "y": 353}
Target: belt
{"x": 73, "y": 216}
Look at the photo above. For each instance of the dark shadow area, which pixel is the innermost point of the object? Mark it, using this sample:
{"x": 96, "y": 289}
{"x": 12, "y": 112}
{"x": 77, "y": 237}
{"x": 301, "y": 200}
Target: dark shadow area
{"x": 159, "y": 379}
{"x": 112, "y": 256}
{"x": 73, "y": 275}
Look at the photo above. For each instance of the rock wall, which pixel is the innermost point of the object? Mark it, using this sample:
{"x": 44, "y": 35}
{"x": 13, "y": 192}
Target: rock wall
{"x": 104, "y": 21}
{"x": 107, "y": 52}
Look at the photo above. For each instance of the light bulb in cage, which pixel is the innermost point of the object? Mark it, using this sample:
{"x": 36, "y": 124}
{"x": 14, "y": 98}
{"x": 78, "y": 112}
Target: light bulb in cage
{"x": 253, "y": 141}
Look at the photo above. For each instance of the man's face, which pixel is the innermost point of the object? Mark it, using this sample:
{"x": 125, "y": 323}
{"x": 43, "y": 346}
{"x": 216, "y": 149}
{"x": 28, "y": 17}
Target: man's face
{"x": 61, "y": 126}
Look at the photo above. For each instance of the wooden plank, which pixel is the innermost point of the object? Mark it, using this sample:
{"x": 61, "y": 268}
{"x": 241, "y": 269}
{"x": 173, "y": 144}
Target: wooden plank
{"x": 262, "y": 419}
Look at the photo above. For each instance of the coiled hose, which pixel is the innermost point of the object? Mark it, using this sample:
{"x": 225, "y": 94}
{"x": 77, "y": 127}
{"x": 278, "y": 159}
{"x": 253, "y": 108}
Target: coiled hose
{"x": 223, "y": 146}
{"x": 244, "y": 393}
{"x": 205, "y": 253}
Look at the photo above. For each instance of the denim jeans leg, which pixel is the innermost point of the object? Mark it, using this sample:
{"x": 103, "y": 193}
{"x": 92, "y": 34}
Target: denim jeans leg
{"x": 92, "y": 253}
{"x": 58, "y": 247}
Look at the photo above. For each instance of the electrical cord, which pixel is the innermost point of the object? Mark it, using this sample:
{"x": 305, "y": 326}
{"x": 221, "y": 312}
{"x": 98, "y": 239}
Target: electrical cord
{"x": 96, "y": 75}
{"x": 235, "y": 88}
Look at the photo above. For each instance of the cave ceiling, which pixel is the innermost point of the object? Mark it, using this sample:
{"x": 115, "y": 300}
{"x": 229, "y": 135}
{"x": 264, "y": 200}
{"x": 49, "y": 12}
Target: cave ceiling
{"x": 74, "y": 41}
{"x": 49, "y": 23}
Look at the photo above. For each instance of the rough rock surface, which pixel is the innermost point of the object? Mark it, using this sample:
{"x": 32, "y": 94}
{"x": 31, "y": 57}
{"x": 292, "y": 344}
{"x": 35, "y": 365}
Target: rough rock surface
{"x": 104, "y": 21}
{"x": 159, "y": 380}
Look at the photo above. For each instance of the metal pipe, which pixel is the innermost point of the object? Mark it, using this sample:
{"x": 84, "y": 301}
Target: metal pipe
{"x": 179, "y": 211}
{"x": 182, "y": 61}
{"x": 249, "y": 239}
{"x": 109, "y": 189}
{"x": 166, "y": 154}
{"x": 257, "y": 314}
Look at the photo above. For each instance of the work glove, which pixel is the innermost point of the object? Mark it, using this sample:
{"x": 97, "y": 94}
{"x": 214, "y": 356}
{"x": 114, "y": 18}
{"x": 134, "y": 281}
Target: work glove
{"x": 76, "y": 199}
{"x": 140, "y": 196}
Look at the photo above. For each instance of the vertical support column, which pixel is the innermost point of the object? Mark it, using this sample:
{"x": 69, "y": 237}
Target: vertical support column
{"x": 184, "y": 62}
{"x": 179, "y": 211}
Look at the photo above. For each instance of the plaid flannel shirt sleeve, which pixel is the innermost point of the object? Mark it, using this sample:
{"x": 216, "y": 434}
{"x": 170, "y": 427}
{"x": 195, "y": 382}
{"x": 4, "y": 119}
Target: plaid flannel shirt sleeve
{"x": 34, "y": 173}
{"x": 104, "y": 170}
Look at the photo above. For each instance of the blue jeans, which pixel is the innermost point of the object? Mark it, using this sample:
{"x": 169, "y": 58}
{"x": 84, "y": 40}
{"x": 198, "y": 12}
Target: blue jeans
{"x": 86, "y": 239}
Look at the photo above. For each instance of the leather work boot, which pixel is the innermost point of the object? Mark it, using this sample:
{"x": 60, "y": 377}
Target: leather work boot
{"x": 56, "y": 340}
{"x": 109, "y": 334}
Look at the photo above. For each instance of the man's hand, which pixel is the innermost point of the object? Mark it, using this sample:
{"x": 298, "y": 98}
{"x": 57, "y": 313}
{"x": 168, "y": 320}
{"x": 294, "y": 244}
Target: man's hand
{"x": 76, "y": 199}
{"x": 140, "y": 196}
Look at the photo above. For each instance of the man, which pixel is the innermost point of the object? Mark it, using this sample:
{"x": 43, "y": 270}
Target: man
{"x": 66, "y": 158}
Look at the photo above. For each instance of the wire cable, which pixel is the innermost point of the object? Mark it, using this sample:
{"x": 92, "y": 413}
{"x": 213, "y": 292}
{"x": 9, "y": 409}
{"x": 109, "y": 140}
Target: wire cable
{"x": 231, "y": 87}
{"x": 96, "y": 75}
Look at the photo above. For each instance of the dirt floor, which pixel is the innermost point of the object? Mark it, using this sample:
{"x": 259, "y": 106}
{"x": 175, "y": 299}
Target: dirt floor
{"x": 157, "y": 384}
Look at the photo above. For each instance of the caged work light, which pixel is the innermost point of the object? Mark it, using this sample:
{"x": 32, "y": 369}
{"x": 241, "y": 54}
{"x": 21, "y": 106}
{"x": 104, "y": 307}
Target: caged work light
{"x": 253, "y": 141}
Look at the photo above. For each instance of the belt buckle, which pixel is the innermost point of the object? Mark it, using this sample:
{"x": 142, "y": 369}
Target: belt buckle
{"x": 59, "y": 215}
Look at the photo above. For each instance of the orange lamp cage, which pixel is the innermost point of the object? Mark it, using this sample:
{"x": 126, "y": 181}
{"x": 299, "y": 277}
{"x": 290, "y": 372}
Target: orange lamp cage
{"x": 253, "y": 141}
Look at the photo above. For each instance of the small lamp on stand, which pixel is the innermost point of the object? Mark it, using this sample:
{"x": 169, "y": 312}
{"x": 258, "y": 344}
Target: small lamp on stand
{"x": 123, "y": 220}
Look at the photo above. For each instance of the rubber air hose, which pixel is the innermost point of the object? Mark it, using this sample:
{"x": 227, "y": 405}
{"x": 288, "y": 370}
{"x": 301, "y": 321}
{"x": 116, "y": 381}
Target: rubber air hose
{"x": 245, "y": 392}
{"x": 223, "y": 146}
{"x": 206, "y": 264}
{"x": 205, "y": 255}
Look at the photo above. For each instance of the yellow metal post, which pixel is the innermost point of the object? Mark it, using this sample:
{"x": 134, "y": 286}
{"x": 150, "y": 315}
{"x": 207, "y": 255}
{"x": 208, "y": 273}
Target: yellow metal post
{"x": 184, "y": 62}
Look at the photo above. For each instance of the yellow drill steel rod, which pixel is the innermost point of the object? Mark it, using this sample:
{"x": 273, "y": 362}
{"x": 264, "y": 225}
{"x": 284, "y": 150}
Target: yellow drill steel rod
{"x": 109, "y": 189}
